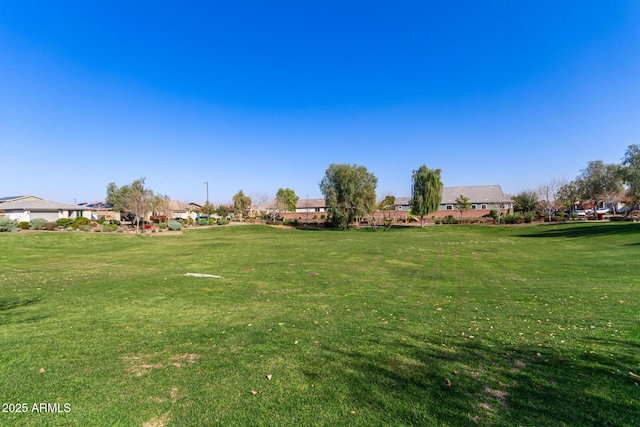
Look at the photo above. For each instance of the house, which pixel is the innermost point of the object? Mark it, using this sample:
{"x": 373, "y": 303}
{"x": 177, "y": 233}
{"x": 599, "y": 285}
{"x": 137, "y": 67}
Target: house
{"x": 100, "y": 210}
{"x": 482, "y": 198}
{"x": 26, "y": 208}
{"x": 183, "y": 210}
{"x": 311, "y": 205}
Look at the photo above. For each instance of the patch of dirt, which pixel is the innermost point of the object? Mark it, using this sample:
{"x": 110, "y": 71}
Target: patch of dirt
{"x": 186, "y": 358}
{"x": 158, "y": 421}
{"x": 142, "y": 364}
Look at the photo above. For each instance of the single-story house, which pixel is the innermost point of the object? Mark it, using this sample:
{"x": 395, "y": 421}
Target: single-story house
{"x": 311, "y": 205}
{"x": 26, "y": 208}
{"x": 183, "y": 210}
{"x": 100, "y": 210}
{"x": 482, "y": 198}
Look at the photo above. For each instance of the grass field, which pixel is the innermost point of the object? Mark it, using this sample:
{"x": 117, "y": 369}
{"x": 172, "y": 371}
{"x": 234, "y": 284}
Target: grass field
{"x": 446, "y": 325}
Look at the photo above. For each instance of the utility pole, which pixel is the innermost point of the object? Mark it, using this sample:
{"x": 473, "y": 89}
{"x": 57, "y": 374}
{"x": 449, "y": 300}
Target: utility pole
{"x": 208, "y": 214}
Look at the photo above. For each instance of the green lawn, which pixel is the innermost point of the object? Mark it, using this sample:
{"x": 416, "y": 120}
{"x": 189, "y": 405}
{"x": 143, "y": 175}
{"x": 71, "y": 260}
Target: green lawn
{"x": 446, "y": 325}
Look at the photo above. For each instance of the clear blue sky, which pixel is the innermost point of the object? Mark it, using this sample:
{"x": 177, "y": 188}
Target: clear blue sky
{"x": 258, "y": 95}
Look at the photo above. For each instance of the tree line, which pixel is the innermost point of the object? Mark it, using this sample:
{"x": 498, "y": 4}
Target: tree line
{"x": 596, "y": 184}
{"x": 349, "y": 191}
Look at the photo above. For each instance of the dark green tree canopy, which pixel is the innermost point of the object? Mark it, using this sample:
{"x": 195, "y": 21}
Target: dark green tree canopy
{"x": 598, "y": 180}
{"x": 525, "y": 201}
{"x": 426, "y": 191}
{"x": 287, "y": 199}
{"x": 349, "y": 192}
{"x": 630, "y": 173}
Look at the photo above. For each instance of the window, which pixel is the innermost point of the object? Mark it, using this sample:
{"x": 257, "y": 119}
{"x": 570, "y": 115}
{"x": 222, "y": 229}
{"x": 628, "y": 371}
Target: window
{"x": 483, "y": 207}
{"x": 473, "y": 207}
{"x": 449, "y": 207}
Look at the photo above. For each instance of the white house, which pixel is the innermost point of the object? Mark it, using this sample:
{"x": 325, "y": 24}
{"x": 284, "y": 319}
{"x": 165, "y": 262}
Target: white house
{"x": 26, "y": 208}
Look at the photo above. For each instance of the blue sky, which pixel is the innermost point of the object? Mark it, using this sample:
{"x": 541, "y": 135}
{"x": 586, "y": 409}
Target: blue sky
{"x": 258, "y": 95}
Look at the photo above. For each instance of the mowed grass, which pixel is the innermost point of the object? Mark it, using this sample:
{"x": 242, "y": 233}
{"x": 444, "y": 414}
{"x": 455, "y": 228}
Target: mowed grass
{"x": 447, "y": 325}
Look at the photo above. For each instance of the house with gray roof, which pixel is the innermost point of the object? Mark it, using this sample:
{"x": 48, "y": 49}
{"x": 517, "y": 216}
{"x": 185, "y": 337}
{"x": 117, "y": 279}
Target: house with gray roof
{"x": 483, "y": 199}
{"x": 26, "y": 208}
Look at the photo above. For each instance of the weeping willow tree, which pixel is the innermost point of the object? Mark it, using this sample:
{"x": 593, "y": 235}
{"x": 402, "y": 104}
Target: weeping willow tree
{"x": 426, "y": 192}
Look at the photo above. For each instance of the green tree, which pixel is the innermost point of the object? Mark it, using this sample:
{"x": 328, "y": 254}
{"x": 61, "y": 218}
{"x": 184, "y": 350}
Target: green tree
{"x": 598, "y": 181}
{"x": 462, "y": 204}
{"x": 630, "y": 174}
{"x": 223, "y": 211}
{"x": 568, "y": 195}
{"x": 134, "y": 198}
{"x": 349, "y": 192}
{"x": 426, "y": 192}
{"x": 241, "y": 203}
{"x": 287, "y": 199}
{"x": 387, "y": 204}
{"x": 525, "y": 201}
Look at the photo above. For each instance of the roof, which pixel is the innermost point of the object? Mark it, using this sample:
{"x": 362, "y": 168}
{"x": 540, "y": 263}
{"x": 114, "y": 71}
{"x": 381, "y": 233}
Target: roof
{"x": 176, "y": 205}
{"x": 475, "y": 194}
{"x": 310, "y": 203}
{"x": 14, "y": 198}
{"x": 41, "y": 205}
{"x": 96, "y": 205}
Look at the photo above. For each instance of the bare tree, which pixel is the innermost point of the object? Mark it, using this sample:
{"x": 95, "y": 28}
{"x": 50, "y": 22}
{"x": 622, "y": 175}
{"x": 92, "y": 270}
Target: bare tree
{"x": 138, "y": 200}
{"x": 549, "y": 196}
{"x": 160, "y": 205}
{"x": 259, "y": 203}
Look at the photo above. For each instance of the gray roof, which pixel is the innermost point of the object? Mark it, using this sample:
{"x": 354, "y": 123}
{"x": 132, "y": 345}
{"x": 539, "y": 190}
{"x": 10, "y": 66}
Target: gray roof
{"x": 41, "y": 206}
{"x": 475, "y": 194}
{"x": 310, "y": 203}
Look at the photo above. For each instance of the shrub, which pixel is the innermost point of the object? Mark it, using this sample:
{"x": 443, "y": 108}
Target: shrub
{"x": 163, "y": 225}
{"x": 528, "y": 217}
{"x": 449, "y": 220}
{"x": 23, "y": 225}
{"x": 7, "y": 224}
{"x": 223, "y": 221}
{"x": 37, "y": 223}
{"x": 175, "y": 226}
{"x": 101, "y": 221}
{"x": 84, "y": 227}
{"x": 437, "y": 221}
{"x": 64, "y": 222}
{"x": 158, "y": 218}
{"x": 50, "y": 226}
{"x": 322, "y": 216}
{"x": 80, "y": 221}
{"x": 515, "y": 218}
{"x": 109, "y": 227}
{"x": 493, "y": 214}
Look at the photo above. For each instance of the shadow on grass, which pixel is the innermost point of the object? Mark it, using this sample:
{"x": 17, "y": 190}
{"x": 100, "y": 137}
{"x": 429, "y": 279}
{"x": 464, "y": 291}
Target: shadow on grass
{"x": 10, "y": 310}
{"x": 479, "y": 382}
{"x": 583, "y": 230}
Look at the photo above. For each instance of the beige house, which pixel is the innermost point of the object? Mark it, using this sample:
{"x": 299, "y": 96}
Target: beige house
{"x": 26, "y": 208}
